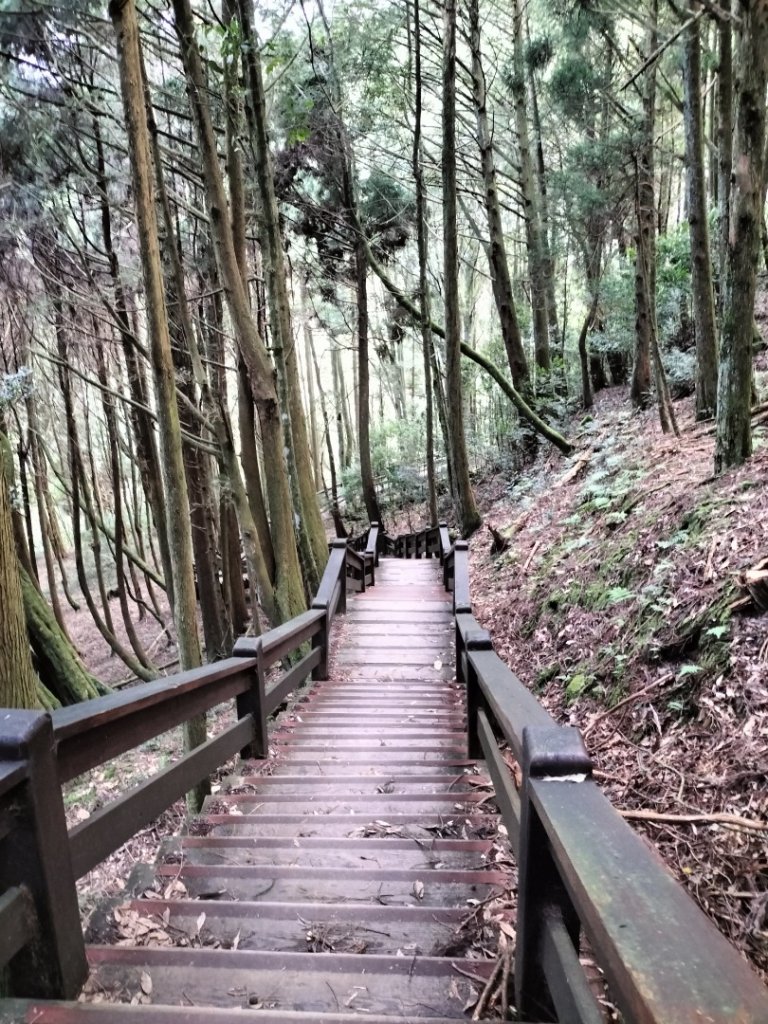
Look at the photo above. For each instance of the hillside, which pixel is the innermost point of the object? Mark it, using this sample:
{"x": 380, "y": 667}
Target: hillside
{"x": 620, "y": 602}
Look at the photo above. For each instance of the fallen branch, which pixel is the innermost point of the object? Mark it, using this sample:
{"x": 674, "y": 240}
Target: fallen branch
{"x": 720, "y": 818}
{"x": 574, "y": 471}
{"x": 526, "y": 412}
{"x": 626, "y": 700}
{"x": 490, "y": 986}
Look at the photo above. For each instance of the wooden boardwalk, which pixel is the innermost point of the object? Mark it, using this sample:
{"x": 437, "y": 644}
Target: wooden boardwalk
{"x": 333, "y": 878}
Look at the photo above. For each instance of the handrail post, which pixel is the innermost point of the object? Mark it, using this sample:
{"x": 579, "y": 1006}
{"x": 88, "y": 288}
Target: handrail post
{"x": 443, "y": 540}
{"x": 374, "y": 536}
{"x": 461, "y": 601}
{"x": 549, "y": 753}
{"x": 322, "y": 637}
{"x": 36, "y": 856}
{"x": 475, "y": 640}
{"x": 253, "y": 701}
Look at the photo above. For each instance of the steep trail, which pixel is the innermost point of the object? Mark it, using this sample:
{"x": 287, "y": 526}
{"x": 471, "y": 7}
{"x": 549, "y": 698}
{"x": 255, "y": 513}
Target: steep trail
{"x": 330, "y": 879}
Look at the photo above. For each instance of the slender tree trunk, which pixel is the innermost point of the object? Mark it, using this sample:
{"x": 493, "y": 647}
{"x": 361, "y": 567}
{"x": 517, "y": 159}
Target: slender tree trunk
{"x": 536, "y": 262}
{"x": 41, "y": 486}
{"x": 289, "y": 590}
{"x": 123, "y": 14}
{"x": 363, "y": 389}
{"x": 734, "y": 386}
{"x": 701, "y": 257}
{"x": 724, "y": 143}
{"x": 546, "y": 241}
{"x": 338, "y": 522}
{"x": 424, "y": 298}
{"x": 467, "y": 513}
{"x": 119, "y": 527}
{"x": 497, "y": 252}
{"x": 312, "y": 540}
{"x": 249, "y": 456}
{"x": 146, "y": 444}
{"x": 343, "y": 425}
{"x": 645, "y": 260}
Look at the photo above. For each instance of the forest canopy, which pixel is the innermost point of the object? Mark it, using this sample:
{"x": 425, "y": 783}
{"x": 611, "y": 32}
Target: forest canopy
{"x": 273, "y": 271}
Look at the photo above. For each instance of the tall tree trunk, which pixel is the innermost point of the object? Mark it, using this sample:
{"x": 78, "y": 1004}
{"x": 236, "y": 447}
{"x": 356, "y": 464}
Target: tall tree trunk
{"x": 338, "y": 522}
{"x": 146, "y": 444}
{"x": 724, "y": 144}
{"x": 41, "y": 486}
{"x": 193, "y": 383}
{"x": 249, "y": 456}
{"x": 734, "y": 386}
{"x": 123, "y": 14}
{"x": 497, "y": 252}
{"x": 645, "y": 260}
{"x": 424, "y": 298}
{"x": 536, "y": 263}
{"x": 467, "y": 513}
{"x": 363, "y": 389}
{"x": 546, "y": 241}
{"x": 701, "y": 256}
{"x": 312, "y": 540}
{"x": 288, "y": 583}
{"x": 110, "y": 419}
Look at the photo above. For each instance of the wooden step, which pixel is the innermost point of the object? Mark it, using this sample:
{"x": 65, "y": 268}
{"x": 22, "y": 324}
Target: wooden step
{"x": 308, "y": 982}
{"x": 292, "y": 928}
{"x": 25, "y": 1012}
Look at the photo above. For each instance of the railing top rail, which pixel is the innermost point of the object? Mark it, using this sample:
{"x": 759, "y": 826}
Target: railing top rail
{"x": 79, "y": 718}
{"x": 664, "y": 959}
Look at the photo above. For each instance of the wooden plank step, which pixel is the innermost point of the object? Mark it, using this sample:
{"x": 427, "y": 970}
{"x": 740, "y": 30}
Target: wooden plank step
{"x": 346, "y": 853}
{"x": 27, "y": 1012}
{"x": 309, "y": 982}
{"x": 360, "y": 766}
{"x": 402, "y": 637}
{"x": 307, "y": 927}
{"x": 346, "y": 746}
{"x": 422, "y": 826}
{"x": 375, "y": 654}
{"x": 378, "y": 715}
{"x": 336, "y": 733}
{"x": 330, "y": 885}
{"x": 354, "y": 785}
{"x": 378, "y": 804}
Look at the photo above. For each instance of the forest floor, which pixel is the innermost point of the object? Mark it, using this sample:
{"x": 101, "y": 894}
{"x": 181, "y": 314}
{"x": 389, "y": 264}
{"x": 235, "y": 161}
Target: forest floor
{"x": 621, "y": 603}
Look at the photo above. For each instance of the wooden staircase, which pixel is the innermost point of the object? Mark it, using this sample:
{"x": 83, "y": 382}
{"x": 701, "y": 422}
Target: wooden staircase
{"x": 330, "y": 881}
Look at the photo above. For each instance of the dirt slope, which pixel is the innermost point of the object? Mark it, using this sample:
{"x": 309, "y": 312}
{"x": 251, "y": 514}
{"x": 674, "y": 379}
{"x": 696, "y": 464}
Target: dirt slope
{"x": 620, "y": 603}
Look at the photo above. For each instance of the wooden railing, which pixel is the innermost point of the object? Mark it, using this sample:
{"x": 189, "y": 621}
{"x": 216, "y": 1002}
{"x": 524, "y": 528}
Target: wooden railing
{"x": 580, "y": 866}
{"x": 40, "y": 859}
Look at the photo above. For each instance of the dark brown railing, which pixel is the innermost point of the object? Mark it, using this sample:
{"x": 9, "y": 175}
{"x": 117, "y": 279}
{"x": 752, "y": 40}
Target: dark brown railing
{"x": 40, "y": 859}
{"x": 580, "y": 866}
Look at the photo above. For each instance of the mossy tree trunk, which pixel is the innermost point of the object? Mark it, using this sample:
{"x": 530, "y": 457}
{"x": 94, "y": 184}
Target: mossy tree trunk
{"x": 18, "y": 682}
